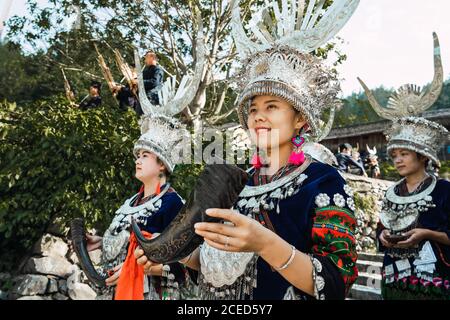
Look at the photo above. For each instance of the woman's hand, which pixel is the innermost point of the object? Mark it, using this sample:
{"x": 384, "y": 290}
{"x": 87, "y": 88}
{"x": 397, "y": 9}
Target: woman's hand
{"x": 92, "y": 242}
{"x": 415, "y": 236}
{"x": 112, "y": 280}
{"x": 150, "y": 267}
{"x": 244, "y": 235}
{"x": 385, "y": 233}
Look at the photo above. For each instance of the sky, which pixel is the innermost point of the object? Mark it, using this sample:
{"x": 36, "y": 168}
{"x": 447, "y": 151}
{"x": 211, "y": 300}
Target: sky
{"x": 388, "y": 42}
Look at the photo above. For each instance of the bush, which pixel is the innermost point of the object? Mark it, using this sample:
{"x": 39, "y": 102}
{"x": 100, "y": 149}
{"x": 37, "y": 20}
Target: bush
{"x": 444, "y": 171}
{"x": 388, "y": 171}
{"x": 60, "y": 162}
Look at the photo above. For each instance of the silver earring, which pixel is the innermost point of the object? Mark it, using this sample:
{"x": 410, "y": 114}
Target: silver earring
{"x": 430, "y": 167}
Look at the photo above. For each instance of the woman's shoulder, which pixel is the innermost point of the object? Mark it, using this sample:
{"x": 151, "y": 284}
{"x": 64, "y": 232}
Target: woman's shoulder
{"x": 444, "y": 183}
{"x": 442, "y": 186}
{"x": 319, "y": 170}
{"x": 172, "y": 196}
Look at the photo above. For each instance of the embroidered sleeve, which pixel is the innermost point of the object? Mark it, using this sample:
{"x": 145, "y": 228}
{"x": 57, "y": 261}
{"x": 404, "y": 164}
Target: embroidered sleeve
{"x": 334, "y": 244}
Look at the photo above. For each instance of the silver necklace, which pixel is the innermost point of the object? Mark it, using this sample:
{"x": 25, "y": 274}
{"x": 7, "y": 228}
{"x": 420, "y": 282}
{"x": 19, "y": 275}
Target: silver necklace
{"x": 420, "y": 184}
{"x": 394, "y": 198}
{"x": 251, "y": 191}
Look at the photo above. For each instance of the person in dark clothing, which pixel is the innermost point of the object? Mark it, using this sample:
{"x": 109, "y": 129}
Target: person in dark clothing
{"x": 373, "y": 167}
{"x": 345, "y": 161}
{"x": 127, "y": 99}
{"x": 128, "y": 96}
{"x": 94, "y": 99}
{"x": 153, "y": 77}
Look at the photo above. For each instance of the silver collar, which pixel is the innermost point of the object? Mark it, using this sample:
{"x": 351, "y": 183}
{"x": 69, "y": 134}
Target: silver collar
{"x": 251, "y": 191}
{"x": 392, "y": 197}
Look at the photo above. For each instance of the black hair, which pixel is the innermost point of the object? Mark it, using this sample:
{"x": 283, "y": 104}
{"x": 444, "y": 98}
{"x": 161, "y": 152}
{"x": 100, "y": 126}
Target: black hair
{"x": 153, "y": 53}
{"x": 97, "y": 85}
{"x": 166, "y": 171}
{"x": 344, "y": 146}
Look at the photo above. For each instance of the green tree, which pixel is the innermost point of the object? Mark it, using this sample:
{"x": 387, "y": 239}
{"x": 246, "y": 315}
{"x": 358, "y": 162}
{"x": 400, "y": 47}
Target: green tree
{"x": 25, "y": 78}
{"x": 166, "y": 26}
{"x": 60, "y": 162}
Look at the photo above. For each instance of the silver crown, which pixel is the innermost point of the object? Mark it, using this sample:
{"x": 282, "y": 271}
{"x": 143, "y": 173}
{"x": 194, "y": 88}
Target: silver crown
{"x": 280, "y": 63}
{"x": 161, "y": 133}
{"x": 417, "y": 134}
{"x": 409, "y": 131}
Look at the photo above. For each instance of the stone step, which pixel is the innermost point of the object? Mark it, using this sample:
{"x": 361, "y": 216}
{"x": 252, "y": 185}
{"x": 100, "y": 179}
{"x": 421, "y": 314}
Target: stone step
{"x": 376, "y": 257}
{"x": 368, "y": 279}
{"x": 369, "y": 266}
{"x": 359, "y": 292}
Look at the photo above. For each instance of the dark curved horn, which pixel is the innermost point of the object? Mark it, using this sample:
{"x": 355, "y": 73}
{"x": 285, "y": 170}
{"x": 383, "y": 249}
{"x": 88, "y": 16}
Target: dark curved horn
{"x": 218, "y": 186}
{"x": 79, "y": 244}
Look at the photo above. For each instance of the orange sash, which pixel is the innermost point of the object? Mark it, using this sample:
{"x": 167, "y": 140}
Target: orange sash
{"x": 131, "y": 280}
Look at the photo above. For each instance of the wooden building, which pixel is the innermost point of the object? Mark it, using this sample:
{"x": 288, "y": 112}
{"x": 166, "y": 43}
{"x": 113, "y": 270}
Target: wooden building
{"x": 372, "y": 134}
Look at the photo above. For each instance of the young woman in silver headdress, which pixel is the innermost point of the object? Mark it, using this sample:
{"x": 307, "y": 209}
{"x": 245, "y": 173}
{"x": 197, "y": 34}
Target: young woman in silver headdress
{"x": 291, "y": 233}
{"x": 414, "y": 228}
{"x": 155, "y": 206}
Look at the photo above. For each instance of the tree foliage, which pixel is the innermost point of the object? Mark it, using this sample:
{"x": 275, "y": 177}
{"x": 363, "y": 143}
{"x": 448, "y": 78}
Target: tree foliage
{"x": 357, "y": 109}
{"x": 60, "y": 162}
{"x": 167, "y": 26}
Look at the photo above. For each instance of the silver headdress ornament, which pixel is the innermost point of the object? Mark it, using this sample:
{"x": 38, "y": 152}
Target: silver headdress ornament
{"x": 409, "y": 131}
{"x": 372, "y": 152}
{"x": 280, "y": 63}
{"x": 161, "y": 132}
{"x": 317, "y": 150}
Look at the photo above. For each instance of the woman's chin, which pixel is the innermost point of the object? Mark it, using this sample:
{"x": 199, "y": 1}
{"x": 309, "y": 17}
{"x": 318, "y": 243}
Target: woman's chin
{"x": 138, "y": 176}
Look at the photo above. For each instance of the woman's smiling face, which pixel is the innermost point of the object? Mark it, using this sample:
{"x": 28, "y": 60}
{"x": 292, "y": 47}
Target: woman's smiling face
{"x": 272, "y": 122}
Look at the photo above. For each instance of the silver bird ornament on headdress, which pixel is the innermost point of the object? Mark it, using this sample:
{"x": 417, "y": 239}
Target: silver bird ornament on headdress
{"x": 408, "y": 130}
{"x": 279, "y": 63}
{"x": 161, "y": 132}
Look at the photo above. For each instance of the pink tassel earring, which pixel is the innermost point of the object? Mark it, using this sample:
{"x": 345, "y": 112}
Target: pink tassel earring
{"x": 297, "y": 156}
{"x": 257, "y": 161}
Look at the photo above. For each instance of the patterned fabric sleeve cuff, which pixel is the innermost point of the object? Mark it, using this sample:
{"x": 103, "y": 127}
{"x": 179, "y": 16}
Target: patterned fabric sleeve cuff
{"x": 318, "y": 280}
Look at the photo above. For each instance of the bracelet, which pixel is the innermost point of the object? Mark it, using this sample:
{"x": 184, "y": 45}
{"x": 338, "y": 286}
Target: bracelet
{"x": 291, "y": 258}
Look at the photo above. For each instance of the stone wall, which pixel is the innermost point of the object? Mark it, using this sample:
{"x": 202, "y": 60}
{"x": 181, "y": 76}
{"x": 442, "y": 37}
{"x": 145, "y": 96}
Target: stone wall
{"x": 51, "y": 273}
{"x": 368, "y": 196}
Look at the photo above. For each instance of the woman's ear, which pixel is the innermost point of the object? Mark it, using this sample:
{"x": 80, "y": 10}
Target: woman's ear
{"x": 300, "y": 122}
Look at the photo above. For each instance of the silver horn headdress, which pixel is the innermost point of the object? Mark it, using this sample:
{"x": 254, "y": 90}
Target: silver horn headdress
{"x": 409, "y": 131}
{"x": 280, "y": 63}
{"x": 161, "y": 132}
{"x": 372, "y": 152}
